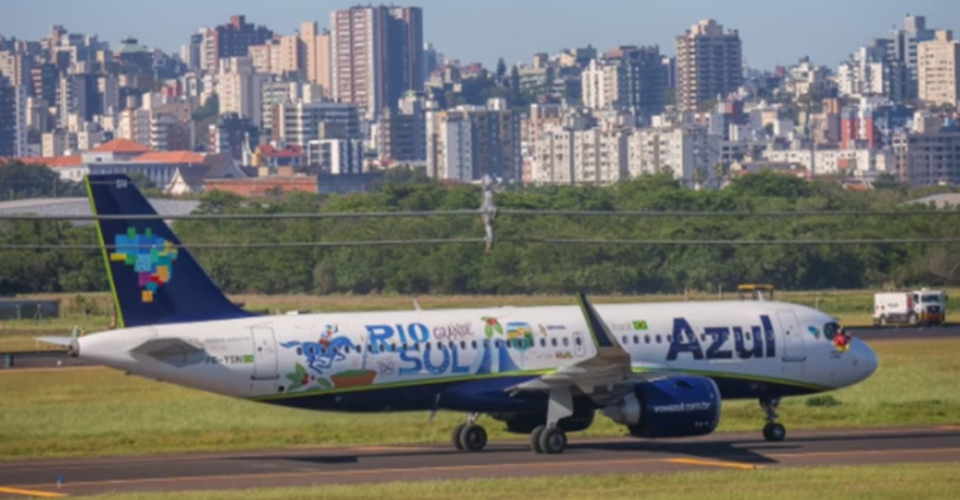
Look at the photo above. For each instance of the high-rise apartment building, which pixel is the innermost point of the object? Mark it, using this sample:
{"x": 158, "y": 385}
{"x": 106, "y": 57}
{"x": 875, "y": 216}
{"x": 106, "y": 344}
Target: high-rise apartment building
{"x": 402, "y": 135}
{"x": 709, "y": 64}
{"x": 903, "y": 48}
{"x": 376, "y": 55}
{"x": 928, "y": 155}
{"x": 232, "y": 40}
{"x": 191, "y": 53}
{"x": 8, "y": 118}
{"x": 240, "y": 89}
{"x": 938, "y": 70}
{"x": 301, "y": 122}
{"x": 470, "y": 142}
{"x": 627, "y": 78}
{"x": 317, "y": 56}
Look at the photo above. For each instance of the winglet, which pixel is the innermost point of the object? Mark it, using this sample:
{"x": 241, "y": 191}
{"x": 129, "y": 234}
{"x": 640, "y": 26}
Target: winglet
{"x": 598, "y": 329}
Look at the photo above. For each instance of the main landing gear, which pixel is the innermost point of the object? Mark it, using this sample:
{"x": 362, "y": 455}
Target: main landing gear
{"x": 550, "y": 439}
{"x": 773, "y": 431}
{"x": 469, "y": 436}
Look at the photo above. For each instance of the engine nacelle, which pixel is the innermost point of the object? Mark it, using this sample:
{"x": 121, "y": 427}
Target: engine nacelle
{"x": 669, "y": 408}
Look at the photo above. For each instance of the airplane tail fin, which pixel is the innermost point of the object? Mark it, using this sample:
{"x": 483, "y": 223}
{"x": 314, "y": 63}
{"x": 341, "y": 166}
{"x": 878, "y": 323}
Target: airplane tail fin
{"x": 153, "y": 280}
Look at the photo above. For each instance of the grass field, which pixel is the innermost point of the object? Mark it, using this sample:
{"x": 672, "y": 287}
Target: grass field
{"x": 888, "y": 482}
{"x": 102, "y": 412}
{"x": 853, "y": 308}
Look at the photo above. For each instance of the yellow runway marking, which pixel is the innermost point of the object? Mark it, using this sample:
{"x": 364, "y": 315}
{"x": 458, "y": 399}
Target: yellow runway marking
{"x": 713, "y": 463}
{"x": 31, "y": 493}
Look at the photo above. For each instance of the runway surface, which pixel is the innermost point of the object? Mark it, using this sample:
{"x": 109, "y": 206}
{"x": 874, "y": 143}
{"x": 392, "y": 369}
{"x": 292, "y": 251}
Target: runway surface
{"x": 57, "y": 359}
{"x": 305, "y": 467}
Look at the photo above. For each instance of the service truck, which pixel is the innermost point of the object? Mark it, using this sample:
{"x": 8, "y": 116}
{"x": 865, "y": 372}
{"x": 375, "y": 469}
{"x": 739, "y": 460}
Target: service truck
{"x": 922, "y": 307}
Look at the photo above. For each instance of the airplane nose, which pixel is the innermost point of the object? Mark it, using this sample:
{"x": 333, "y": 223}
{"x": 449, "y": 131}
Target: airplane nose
{"x": 865, "y": 359}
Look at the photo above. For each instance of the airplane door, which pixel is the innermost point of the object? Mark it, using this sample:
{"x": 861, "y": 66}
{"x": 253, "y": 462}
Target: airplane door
{"x": 579, "y": 345}
{"x": 793, "y": 351}
{"x": 264, "y": 354}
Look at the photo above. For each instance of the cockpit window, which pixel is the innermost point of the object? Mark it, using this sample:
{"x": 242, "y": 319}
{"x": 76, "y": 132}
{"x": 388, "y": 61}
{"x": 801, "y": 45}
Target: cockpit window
{"x": 831, "y": 331}
{"x": 930, "y": 299}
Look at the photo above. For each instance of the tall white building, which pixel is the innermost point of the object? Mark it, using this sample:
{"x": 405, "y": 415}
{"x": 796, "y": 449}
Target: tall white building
{"x": 684, "y": 152}
{"x": 449, "y": 146}
{"x": 336, "y": 156}
{"x": 240, "y": 89}
{"x": 134, "y": 125}
{"x": 302, "y": 122}
{"x": 600, "y": 84}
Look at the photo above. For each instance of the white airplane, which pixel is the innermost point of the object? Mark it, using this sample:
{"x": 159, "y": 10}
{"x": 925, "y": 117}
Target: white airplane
{"x": 661, "y": 370}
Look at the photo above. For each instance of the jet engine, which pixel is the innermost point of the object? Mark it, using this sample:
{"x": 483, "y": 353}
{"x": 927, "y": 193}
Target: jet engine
{"x": 673, "y": 407}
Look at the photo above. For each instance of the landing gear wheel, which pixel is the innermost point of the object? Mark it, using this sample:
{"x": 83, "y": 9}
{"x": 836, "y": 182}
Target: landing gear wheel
{"x": 535, "y": 439}
{"x": 553, "y": 441}
{"x": 455, "y": 437}
{"x": 774, "y": 433}
{"x": 473, "y": 438}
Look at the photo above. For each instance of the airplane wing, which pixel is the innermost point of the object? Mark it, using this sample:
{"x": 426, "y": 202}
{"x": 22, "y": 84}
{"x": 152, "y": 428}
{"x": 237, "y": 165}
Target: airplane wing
{"x": 603, "y": 376}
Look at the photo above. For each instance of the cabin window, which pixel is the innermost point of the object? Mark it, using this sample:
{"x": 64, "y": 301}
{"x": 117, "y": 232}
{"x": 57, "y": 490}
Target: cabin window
{"x": 486, "y": 343}
{"x": 453, "y": 345}
{"x": 748, "y": 336}
{"x": 404, "y": 347}
{"x": 543, "y": 342}
{"x": 636, "y": 339}
{"x": 463, "y": 345}
{"x": 393, "y": 347}
{"x": 659, "y": 339}
{"x": 669, "y": 338}
{"x": 578, "y": 340}
{"x": 474, "y": 344}
{"x": 416, "y": 347}
{"x": 566, "y": 342}
{"x": 554, "y": 342}
{"x": 623, "y": 339}
{"x": 497, "y": 344}
{"x": 346, "y": 350}
{"x": 703, "y": 337}
{"x": 646, "y": 338}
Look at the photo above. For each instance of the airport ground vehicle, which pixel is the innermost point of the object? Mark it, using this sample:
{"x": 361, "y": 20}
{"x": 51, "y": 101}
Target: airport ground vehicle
{"x": 921, "y": 307}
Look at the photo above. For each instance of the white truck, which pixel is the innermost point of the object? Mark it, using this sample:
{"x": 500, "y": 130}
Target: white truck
{"x": 922, "y": 307}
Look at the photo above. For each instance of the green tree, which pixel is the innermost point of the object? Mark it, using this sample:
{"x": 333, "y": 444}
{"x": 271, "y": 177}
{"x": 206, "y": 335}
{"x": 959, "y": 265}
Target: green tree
{"x": 501, "y": 70}
{"x": 19, "y": 180}
{"x": 209, "y": 109}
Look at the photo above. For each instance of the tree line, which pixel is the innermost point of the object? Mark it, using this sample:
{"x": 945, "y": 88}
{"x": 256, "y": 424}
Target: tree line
{"x": 535, "y": 268}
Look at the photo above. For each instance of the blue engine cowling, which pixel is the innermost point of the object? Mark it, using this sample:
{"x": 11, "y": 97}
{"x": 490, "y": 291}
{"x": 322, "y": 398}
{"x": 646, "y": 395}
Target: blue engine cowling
{"x": 673, "y": 407}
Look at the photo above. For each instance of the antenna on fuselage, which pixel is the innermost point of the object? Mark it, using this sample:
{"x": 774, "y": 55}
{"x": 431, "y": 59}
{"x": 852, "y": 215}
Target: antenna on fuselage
{"x": 416, "y": 305}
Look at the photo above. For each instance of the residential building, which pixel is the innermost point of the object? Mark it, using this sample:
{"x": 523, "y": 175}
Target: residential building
{"x": 904, "y": 47}
{"x": 627, "y": 78}
{"x": 232, "y": 136}
{"x": 240, "y": 89}
{"x": 470, "y": 142}
{"x": 317, "y": 56}
{"x": 929, "y": 155}
{"x": 376, "y": 56}
{"x": 685, "y": 152}
{"x": 46, "y": 82}
{"x": 938, "y": 70}
{"x": 9, "y": 122}
{"x": 190, "y": 53}
{"x": 266, "y": 57}
{"x": 169, "y": 132}
{"x": 828, "y": 161}
{"x": 18, "y": 68}
{"x": 336, "y": 156}
{"x": 402, "y": 136}
{"x": 709, "y": 64}
{"x": 232, "y": 40}
{"x": 134, "y": 125}
{"x": 59, "y": 142}
{"x": 304, "y": 122}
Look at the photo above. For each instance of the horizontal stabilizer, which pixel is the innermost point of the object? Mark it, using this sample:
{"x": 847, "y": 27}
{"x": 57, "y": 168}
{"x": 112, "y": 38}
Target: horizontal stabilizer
{"x": 58, "y": 341}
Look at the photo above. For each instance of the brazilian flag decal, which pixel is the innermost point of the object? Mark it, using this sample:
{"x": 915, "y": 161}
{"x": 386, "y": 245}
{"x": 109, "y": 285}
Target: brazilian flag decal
{"x": 640, "y": 326}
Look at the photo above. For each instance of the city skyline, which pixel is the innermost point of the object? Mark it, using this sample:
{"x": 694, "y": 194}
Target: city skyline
{"x": 766, "y": 43}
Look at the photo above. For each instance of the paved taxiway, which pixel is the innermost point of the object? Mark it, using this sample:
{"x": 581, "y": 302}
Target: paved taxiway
{"x": 304, "y": 467}
{"x": 57, "y": 359}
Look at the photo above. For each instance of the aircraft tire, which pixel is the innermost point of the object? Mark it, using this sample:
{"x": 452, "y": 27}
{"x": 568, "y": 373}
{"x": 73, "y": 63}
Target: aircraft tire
{"x": 473, "y": 438}
{"x": 535, "y": 439}
{"x": 774, "y": 433}
{"x": 553, "y": 441}
{"x": 455, "y": 437}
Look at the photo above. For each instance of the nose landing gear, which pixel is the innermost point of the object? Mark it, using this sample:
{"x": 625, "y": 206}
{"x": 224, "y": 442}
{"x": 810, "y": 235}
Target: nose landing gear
{"x": 773, "y": 431}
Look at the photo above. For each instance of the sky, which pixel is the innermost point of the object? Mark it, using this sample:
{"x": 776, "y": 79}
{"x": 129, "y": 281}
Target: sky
{"x": 773, "y": 31}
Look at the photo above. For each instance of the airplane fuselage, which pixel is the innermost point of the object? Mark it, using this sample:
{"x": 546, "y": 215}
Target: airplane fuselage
{"x": 465, "y": 359}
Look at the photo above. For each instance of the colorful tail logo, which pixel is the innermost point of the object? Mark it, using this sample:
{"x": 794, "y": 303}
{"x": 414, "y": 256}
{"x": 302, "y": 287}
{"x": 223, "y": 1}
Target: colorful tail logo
{"x": 152, "y": 258}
